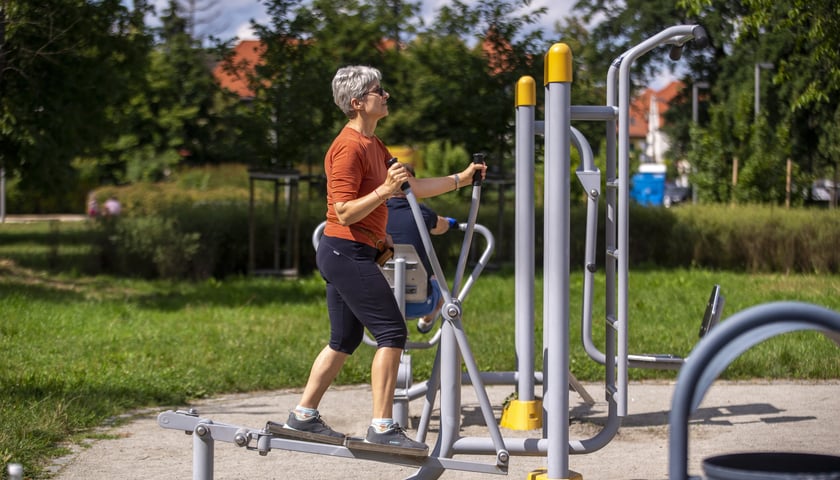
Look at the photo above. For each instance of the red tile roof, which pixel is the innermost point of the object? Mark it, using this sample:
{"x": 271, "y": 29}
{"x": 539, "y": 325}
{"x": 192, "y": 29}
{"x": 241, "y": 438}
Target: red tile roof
{"x": 247, "y": 54}
{"x": 640, "y": 107}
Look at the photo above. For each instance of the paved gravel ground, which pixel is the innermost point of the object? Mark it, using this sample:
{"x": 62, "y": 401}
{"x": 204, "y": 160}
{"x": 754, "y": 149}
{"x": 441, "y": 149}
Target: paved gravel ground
{"x": 734, "y": 417}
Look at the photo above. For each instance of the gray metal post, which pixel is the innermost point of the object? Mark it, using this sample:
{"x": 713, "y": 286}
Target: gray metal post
{"x": 401, "y": 400}
{"x": 15, "y": 471}
{"x": 757, "y": 84}
{"x": 399, "y": 283}
{"x": 623, "y": 231}
{"x": 677, "y": 35}
{"x": 695, "y": 111}
{"x": 202, "y": 453}
{"x": 556, "y": 270}
{"x": 524, "y": 237}
{"x": 611, "y": 264}
{"x": 2, "y": 194}
{"x": 548, "y": 204}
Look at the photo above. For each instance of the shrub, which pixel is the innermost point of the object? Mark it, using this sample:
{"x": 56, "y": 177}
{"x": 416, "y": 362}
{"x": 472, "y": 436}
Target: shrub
{"x": 154, "y": 240}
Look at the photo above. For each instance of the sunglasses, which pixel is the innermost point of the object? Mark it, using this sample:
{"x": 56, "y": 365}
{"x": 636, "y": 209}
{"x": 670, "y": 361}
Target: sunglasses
{"x": 378, "y": 91}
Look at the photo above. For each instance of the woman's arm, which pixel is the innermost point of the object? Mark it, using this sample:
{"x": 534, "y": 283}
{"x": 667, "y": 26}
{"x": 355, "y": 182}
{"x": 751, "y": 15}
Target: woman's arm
{"x": 352, "y": 211}
{"x": 441, "y": 227}
{"x": 432, "y": 187}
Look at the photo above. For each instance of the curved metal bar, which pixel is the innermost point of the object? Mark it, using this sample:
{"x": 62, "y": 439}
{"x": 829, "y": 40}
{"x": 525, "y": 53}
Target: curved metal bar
{"x": 483, "y": 260}
{"x": 317, "y": 234}
{"x": 719, "y": 348}
{"x": 618, "y": 201}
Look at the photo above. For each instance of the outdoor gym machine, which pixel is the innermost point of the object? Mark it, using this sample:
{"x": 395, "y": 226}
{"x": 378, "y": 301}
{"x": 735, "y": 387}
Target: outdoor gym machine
{"x": 454, "y": 349}
{"x": 559, "y": 136}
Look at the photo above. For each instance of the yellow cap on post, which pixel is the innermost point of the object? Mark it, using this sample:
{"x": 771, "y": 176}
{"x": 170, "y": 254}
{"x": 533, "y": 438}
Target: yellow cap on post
{"x": 542, "y": 474}
{"x": 558, "y": 64}
{"x": 526, "y": 92}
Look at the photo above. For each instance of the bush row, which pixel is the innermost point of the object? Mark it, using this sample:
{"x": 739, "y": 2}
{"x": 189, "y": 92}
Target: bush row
{"x": 202, "y": 235}
{"x": 756, "y": 239}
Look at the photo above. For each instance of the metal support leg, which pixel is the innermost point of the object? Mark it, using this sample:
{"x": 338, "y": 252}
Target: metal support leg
{"x": 202, "y": 453}
{"x": 401, "y": 399}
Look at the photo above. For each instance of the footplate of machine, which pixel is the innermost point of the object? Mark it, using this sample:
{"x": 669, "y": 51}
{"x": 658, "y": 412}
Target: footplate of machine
{"x": 354, "y": 443}
{"x": 279, "y": 430}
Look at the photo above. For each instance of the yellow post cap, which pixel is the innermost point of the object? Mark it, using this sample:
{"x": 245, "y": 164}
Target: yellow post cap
{"x": 558, "y": 64}
{"x": 542, "y": 474}
{"x": 526, "y": 91}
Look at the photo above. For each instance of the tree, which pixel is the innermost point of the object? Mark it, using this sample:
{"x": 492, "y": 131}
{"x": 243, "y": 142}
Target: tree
{"x": 204, "y": 18}
{"x": 808, "y": 76}
{"x": 464, "y": 70}
{"x": 177, "y": 114}
{"x": 64, "y": 64}
{"x": 799, "y": 96}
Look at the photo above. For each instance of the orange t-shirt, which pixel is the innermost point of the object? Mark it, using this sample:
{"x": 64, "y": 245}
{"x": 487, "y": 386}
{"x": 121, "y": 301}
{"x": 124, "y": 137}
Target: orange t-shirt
{"x": 355, "y": 165}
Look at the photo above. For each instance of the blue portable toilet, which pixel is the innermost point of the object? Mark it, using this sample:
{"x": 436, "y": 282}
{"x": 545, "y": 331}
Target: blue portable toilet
{"x": 649, "y": 184}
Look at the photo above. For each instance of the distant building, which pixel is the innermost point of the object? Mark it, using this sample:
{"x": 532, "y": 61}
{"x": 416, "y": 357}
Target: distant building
{"x": 647, "y": 117}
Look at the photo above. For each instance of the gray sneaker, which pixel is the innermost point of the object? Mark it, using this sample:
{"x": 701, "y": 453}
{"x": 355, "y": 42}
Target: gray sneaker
{"x": 312, "y": 429}
{"x": 395, "y": 439}
{"x": 424, "y": 327}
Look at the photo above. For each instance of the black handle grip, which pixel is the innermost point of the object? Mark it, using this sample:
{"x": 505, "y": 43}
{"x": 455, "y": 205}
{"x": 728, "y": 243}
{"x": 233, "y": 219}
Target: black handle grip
{"x": 701, "y": 38}
{"x": 477, "y": 158}
{"x": 675, "y": 53}
{"x": 405, "y": 186}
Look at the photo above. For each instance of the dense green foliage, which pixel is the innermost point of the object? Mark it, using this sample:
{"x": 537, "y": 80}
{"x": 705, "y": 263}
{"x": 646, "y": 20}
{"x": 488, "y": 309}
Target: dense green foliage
{"x": 164, "y": 109}
{"x": 91, "y": 94}
{"x": 80, "y": 350}
{"x": 64, "y": 65}
{"x": 799, "y": 95}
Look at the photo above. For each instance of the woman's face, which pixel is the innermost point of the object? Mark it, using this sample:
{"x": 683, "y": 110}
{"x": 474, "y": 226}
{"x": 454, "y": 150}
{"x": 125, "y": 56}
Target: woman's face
{"x": 375, "y": 101}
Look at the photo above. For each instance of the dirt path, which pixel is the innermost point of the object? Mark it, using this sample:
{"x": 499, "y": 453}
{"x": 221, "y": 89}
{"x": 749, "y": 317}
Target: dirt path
{"x": 734, "y": 417}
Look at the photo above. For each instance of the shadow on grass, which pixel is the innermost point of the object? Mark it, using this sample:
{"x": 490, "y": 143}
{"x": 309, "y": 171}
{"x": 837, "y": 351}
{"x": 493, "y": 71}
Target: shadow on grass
{"x": 237, "y": 294}
{"x": 158, "y": 295}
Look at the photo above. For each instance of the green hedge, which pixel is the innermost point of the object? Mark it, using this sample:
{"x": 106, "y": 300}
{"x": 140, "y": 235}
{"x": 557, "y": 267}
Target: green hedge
{"x": 755, "y": 239}
{"x": 197, "y": 227}
{"x": 210, "y": 239}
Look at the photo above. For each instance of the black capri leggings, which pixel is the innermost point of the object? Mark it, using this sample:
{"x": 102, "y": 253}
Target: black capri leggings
{"x": 358, "y": 296}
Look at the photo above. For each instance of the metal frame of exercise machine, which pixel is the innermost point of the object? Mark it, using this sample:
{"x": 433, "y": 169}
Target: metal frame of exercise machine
{"x": 454, "y": 350}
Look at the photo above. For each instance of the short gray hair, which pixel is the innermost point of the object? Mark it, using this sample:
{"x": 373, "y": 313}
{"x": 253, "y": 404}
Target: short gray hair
{"x": 352, "y": 82}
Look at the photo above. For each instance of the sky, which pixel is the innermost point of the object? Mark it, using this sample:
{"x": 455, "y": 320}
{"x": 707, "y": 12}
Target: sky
{"x": 232, "y": 19}
{"x": 235, "y": 15}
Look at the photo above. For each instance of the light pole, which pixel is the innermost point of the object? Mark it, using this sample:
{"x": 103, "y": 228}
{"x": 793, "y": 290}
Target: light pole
{"x": 695, "y": 118}
{"x": 758, "y": 67}
{"x": 695, "y": 115}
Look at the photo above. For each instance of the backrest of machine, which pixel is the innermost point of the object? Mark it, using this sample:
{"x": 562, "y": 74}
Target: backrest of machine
{"x": 416, "y": 277}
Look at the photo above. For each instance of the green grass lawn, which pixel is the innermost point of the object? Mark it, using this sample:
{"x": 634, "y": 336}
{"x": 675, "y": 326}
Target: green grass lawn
{"x": 79, "y": 350}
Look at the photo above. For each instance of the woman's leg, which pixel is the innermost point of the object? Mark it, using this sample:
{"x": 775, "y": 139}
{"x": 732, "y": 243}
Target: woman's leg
{"x": 383, "y": 380}
{"x": 324, "y": 369}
